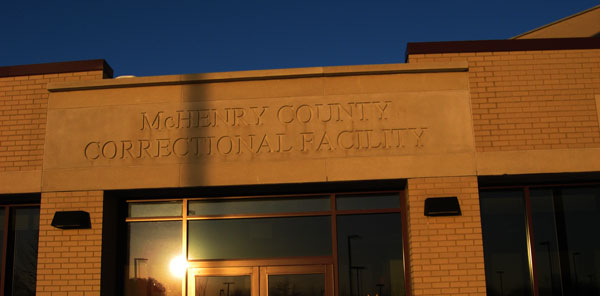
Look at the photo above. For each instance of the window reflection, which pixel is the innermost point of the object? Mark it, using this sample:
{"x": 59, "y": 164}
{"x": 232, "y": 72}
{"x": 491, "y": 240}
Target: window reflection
{"x": 564, "y": 240}
{"x": 370, "y": 255}
{"x": 505, "y": 242}
{"x": 155, "y": 209}
{"x": 152, "y": 248}
{"x": 297, "y": 285}
{"x": 222, "y": 285}
{"x": 215, "y": 207}
{"x": 259, "y": 238}
{"x": 25, "y": 226}
{"x": 567, "y": 247}
{"x": 302, "y": 227}
{"x": 367, "y": 201}
{"x": 2, "y": 226}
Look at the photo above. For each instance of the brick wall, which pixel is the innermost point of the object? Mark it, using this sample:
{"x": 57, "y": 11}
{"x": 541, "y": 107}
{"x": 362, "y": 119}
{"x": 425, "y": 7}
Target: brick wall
{"x": 526, "y": 100}
{"x": 69, "y": 260}
{"x": 23, "y": 106}
{"x": 445, "y": 253}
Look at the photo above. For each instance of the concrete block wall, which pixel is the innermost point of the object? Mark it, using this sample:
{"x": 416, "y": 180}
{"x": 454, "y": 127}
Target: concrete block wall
{"x": 69, "y": 261}
{"x": 445, "y": 253}
{"x": 23, "y": 107}
{"x": 529, "y": 100}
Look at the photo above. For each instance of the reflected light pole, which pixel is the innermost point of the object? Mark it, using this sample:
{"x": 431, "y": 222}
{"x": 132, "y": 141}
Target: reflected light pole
{"x": 136, "y": 266}
{"x": 547, "y": 244}
{"x": 380, "y": 286}
{"x": 500, "y": 273}
{"x": 349, "y": 239}
{"x": 228, "y": 284}
{"x": 575, "y": 272}
{"x": 592, "y": 287}
{"x": 358, "y": 269}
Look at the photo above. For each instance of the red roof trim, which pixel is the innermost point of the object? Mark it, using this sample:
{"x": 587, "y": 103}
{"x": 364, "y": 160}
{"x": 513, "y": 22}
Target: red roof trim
{"x": 53, "y": 68}
{"x": 501, "y": 45}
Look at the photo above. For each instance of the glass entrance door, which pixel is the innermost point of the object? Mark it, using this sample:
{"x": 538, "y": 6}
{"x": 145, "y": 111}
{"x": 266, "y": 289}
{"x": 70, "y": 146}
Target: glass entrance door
{"x": 279, "y": 245}
{"x": 297, "y": 280}
{"x": 227, "y": 281}
{"x": 303, "y": 280}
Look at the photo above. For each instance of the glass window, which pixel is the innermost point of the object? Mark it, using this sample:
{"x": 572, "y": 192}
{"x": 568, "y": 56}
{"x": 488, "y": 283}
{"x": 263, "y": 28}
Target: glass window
{"x": 2, "y": 226}
{"x": 367, "y": 201}
{"x": 155, "y": 209}
{"x": 567, "y": 247}
{"x": 222, "y": 285}
{"x": 19, "y": 250}
{"x": 259, "y": 238}
{"x": 258, "y": 206}
{"x": 369, "y": 244}
{"x": 155, "y": 265}
{"x": 297, "y": 285}
{"x": 505, "y": 242}
{"x": 370, "y": 255}
{"x": 25, "y": 226}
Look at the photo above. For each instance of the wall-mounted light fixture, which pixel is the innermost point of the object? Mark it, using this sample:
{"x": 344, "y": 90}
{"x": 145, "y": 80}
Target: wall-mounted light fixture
{"x": 71, "y": 220}
{"x": 442, "y": 206}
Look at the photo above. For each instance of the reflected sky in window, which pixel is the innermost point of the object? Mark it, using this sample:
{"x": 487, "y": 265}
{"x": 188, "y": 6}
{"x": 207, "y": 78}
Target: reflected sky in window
{"x": 373, "y": 244}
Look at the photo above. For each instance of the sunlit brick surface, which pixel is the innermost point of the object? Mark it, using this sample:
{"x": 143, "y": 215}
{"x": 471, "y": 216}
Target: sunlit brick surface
{"x": 69, "y": 260}
{"x": 445, "y": 253}
{"x": 23, "y": 107}
{"x": 525, "y": 100}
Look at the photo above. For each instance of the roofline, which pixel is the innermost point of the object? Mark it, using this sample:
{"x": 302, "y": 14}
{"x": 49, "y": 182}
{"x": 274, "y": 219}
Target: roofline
{"x": 501, "y": 45}
{"x": 253, "y": 75}
{"x": 60, "y": 67}
{"x": 556, "y": 22}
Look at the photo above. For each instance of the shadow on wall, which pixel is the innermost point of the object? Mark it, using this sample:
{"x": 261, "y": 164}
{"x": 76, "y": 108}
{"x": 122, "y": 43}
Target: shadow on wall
{"x": 117, "y": 278}
{"x": 196, "y": 97}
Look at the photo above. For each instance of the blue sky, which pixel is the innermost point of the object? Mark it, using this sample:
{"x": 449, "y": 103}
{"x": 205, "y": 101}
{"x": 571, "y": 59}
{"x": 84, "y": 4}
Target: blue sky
{"x": 150, "y": 37}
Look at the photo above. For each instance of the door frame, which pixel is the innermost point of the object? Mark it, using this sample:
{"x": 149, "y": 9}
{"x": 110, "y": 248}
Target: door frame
{"x": 253, "y": 272}
{"x": 259, "y": 275}
{"x": 325, "y": 269}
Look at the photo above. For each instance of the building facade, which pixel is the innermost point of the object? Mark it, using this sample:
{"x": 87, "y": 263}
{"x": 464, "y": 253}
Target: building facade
{"x": 471, "y": 169}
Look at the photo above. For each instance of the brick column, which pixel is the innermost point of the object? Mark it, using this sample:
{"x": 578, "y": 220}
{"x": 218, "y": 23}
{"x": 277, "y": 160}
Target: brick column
{"x": 445, "y": 253}
{"x": 69, "y": 260}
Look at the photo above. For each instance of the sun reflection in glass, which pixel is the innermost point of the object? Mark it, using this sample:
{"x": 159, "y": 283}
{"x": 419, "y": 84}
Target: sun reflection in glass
{"x": 178, "y": 266}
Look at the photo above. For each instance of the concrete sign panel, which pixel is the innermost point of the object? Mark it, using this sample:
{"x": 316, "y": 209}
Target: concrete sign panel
{"x": 192, "y": 133}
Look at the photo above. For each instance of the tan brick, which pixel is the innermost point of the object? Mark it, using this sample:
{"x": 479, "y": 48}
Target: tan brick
{"x": 442, "y": 249}
{"x": 72, "y": 253}
{"x": 23, "y": 107}
{"x": 553, "y": 82}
